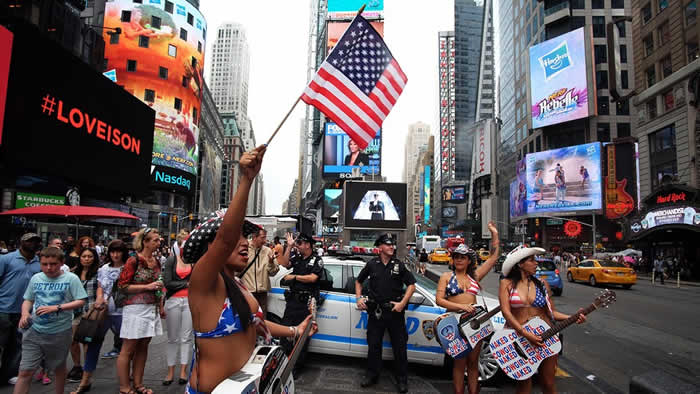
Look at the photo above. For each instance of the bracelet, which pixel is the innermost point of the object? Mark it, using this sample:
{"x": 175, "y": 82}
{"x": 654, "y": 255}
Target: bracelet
{"x": 296, "y": 332}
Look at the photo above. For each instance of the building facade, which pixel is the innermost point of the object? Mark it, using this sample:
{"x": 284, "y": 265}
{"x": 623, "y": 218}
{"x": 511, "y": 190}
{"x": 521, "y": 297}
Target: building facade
{"x": 418, "y": 186}
{"x": 229, "y": 69}
{"x": 417, "y": 138}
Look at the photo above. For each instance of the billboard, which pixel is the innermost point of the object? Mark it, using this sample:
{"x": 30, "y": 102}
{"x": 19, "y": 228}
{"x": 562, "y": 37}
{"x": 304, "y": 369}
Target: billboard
{"x": 331, "y": 202}
{"x": 620, "y": 183}
{"x": 449, "y": 212}
{"x": 66, "y": 119}
{"x": 375, "y": 205}
{"x": 24, "y": 200}
{"x": 341, "y": 154}
{"x": 5, "y": 56}
{"x": 336, "y": 30}
{"x": 210, "y": 179}
{"x": 453, "y": 193}
{"x": 558, "y": 79}
{"x": 426, "y": 194}
{"x": 347, "y": 9}
{"x": 669, "y": 215}
{"x": 159, "y": 58}
{"x": 482, "y": 150}
{"x": 518, "y": 191}
{"x": 564, "y": 180}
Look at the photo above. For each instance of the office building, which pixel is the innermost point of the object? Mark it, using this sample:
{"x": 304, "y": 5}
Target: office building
{"x": 417, "y": 138}
{"x": 229, "y": 70}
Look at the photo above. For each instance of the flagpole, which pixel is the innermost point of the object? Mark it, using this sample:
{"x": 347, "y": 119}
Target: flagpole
{"x": 283, "y": 120}
{"x": 361, "y": 9}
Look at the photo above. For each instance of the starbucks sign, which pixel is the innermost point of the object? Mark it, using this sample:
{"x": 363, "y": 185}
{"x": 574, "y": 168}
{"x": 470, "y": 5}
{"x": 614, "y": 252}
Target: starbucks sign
{"x": 24, "y": 200}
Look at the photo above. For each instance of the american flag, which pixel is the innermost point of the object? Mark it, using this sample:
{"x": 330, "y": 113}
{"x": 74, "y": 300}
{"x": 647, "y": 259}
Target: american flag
{"x": 358, "y": 83}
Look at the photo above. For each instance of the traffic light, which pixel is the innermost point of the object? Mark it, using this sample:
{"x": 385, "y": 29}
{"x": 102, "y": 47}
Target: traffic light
{"x": 174, "y": 218}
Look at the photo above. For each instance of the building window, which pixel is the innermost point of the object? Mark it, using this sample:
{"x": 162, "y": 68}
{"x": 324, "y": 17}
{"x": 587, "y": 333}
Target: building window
{"x": 114, "y": 38}
{"x": 603, "y": 106}
{"x": 169, "y": 6}
{"x": 651, "y": 109}
{"x": 603, "y": 132}
{"x": 538, "y": 143}
{"x": 651, "y": 76}
{"x": 163, "y": 72}
{"x": 622, "y": 29}
{"x": 155, "y": 22}
{"x": 190, "y": 19}
{"x": 666, "y": 68}
{"x": 598, "y": 26}
{"x": 126, "y": 16}
{"x": 690, "y": 13}
{"x": 648, "y": 42}
{"x": 199, "y": 46}
{"x": 601, "y": 54}
{"x": 662, "y": 154}
{"x": 576, "y": 22}
{"x": 622, "y": 107}
{"x": 577, "y": 4}
{"x": 664, "y": 34}
{"x": 149, "y": 95}
{"x": 623, "y": 130}
{"x": 194, "y": 62}
{"x": 601, "y": 79}
{"x": 617, "y": 3}
{"x": 623, "y": 53}
{"x": 172, "y": 50}
{"x": 663, "y": 4}
{"x": 668, "y": 101}
{"x": 143, "y": 41}
{"x": 597, "y": 4}
{"x": 646, "y": 13}
{"x": 692, "y": 50}
{"x": 185, "y": 82}
{"x": 178, "y": 104}
{"x": 183, "y": 34}
{"x": 194, "y": 116}
{"x": 130, "y": 65}
{"x": 624, "y": 79}
{"x": 138, "y": 1}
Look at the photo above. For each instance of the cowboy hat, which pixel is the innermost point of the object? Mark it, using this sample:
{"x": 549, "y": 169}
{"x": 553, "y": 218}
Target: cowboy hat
{"x": 517, "y": 255}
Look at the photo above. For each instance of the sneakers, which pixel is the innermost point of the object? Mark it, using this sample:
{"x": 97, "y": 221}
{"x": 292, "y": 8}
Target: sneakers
{"x": 75, "y": 375}
{"x": 111, "y": 354}
{"x": 12, "y": 381}
{"x": 46, "y": 380}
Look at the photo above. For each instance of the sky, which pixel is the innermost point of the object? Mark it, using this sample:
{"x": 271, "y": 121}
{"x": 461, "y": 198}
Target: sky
{"x": 278, "y": 38}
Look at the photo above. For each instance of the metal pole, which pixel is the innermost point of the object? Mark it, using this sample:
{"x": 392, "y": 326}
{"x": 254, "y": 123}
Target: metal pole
{"x": 594, "y": 243}
{"x": 678, "y": 280}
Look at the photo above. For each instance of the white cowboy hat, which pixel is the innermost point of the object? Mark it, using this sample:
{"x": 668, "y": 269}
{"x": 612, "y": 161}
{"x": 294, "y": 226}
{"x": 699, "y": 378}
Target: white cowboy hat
{"x": 517, "y": 255}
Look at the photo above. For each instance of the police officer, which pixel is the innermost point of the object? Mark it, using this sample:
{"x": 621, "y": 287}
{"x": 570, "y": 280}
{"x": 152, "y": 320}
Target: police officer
{"x": 385, "y": 307}
{"x": 303, "y": 281}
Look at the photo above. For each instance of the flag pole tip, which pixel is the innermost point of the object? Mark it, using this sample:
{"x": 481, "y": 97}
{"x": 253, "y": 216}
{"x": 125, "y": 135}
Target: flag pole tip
{"x": 361, "y": 9}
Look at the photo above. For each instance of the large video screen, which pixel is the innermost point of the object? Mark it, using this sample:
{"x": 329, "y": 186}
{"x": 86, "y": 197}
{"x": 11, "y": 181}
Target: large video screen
{"x": 375, "y": 205}
{"x": 331, "y": 202}
{"x": 159, "y": 58}
{"x": 341, "y": 154}
{"x": 564, "y": 180}
{"x": 336, "y": 30}
{"x": 449, "y": 212}
{"x": 558, "y": 79}
{"x": 347, "y": 9}
{"x": 518, "y": 191}
{"x": 453, "y": 193}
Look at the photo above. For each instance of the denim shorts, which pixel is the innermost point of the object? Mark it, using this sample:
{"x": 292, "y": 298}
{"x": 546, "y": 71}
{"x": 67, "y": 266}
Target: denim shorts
{"x": 53, "y": 348}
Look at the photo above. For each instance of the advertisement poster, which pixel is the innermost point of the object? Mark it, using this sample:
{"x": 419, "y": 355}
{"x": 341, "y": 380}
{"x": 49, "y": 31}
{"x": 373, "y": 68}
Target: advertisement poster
{"x": 331, "y": 202}
{"x": 210, "y": 180}
{"x": 518, "y": 191}
{"x": 159, "y": 58}
{"x": 375, "y": 205}
{"x": 564, "y": 180}
{"x": 673, "y": 215}
{"x": 453, "y": 193}
{"x": 620, "y": 186}
{"x": 336, "y": 30}
{"x": 558, "y": 79}
{"x": 482, "y": 150}
{"x": 347, "y": 9}
{"x": 449, "y": 212}
{"x": 25, "y": 200}
{"x": 426, "y": 194}
{"x": 341, "y": 154}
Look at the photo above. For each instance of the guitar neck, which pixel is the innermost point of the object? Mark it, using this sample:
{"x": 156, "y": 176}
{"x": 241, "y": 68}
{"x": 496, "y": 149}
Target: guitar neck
{"x": 559, "y": 326}
{"x": 489, "y": 315}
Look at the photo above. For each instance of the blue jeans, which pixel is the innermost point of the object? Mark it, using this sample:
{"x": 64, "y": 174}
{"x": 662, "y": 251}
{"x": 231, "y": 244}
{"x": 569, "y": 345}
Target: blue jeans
{"x": 113, "y": 322}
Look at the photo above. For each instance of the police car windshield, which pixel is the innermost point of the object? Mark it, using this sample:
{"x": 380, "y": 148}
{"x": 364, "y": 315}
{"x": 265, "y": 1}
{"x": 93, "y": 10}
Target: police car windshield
{"x": 426, "y": 283}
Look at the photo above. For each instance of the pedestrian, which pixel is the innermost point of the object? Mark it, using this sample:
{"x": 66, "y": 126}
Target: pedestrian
{"x": 107, "y": 277}
{"x": 73, "y": 259}
{"x": 385, "y": 307}
{"x": 422, "y": 261}
{"x": 260, "y": 268}
{"x": 456, "y": 292}
{"x": 225, "y": 337}
{"x": 659, "y": 269}
{"x": 3, "y": 248}
{"x": 176, "y": 277}
{"x": 278, "y": 248}
{"x": 306, "y": 270}
{"x": 46, "y": 319}
{"x": 86, "y": 271}
{"x": 557, "y": 259}
{"x": 523, "y": 296}
{"x": 16, "y": 269}
{"x": 319, "y": 250}
{"x": 140, "y": 280}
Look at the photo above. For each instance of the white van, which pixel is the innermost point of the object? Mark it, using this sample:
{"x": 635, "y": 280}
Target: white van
{"x": 428, "y": 242}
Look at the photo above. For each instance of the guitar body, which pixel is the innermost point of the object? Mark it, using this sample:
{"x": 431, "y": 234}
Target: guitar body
{"x": 516, "y": 356}
{"x": 474, "y": 330}
{"x": 260, "y": 374}
{"x": 449, "y": 337}
{"x": 619, "y": 202}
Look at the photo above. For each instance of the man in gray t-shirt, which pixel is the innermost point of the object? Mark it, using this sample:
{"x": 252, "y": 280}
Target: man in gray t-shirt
{"x": 47, "y": 313}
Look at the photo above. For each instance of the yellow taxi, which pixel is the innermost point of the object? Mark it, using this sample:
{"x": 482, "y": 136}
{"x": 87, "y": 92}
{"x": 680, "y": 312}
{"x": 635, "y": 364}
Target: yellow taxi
{"x": 595, "y": 271}
{"x": 440, "y": 256}
{"x": 484, "y": 254}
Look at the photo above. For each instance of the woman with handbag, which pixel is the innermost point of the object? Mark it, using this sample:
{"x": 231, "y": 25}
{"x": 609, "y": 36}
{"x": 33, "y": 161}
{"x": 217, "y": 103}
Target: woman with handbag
{"x": 140, "y": 280}
{"x": 86, "y": 271}
{"x": 176, "y": 277}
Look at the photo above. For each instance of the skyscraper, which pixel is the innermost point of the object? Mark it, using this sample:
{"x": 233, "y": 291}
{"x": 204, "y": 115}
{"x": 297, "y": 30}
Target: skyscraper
{"x": 230, "y": 70}
{"x": 417, "y": 138}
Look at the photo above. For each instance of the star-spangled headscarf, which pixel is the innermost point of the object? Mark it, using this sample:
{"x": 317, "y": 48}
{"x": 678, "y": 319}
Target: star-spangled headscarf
{"x": 198, "y": 241}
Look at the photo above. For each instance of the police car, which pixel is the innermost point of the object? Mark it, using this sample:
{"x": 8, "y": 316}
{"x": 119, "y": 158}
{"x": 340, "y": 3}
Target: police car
{"x": 342, "y": 328}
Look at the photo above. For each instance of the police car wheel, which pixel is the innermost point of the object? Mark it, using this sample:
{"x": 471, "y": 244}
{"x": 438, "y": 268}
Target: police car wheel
{"x": 488, "y": 367}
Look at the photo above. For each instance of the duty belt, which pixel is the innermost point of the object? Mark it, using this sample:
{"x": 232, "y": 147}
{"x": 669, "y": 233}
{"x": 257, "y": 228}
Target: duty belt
{"x": 379, "y": 308}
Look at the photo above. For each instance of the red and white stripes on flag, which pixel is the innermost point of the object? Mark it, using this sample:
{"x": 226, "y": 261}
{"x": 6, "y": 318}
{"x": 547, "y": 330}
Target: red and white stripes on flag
{"x": 358, "y": 84}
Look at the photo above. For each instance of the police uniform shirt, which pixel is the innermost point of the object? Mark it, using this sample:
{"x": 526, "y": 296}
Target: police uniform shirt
{"x": 305, "y": 266}
{"x": 386, "y": 281}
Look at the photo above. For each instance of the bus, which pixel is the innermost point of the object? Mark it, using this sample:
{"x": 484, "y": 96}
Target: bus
{"x": 428, "y": 242}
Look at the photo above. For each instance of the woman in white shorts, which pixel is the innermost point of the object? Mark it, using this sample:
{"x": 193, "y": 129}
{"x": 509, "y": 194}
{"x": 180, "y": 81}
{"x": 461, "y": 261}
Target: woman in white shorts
{"x": 140, "y": 280}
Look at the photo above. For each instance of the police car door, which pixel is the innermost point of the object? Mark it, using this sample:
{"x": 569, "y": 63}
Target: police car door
{"x": 333, "y": 335}
{"x": 422, "y": 310}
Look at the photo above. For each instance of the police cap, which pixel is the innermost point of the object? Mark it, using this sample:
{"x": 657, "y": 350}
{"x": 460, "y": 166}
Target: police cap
{"x": 385, "y": 239}
{"x": 305, "y": 238}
